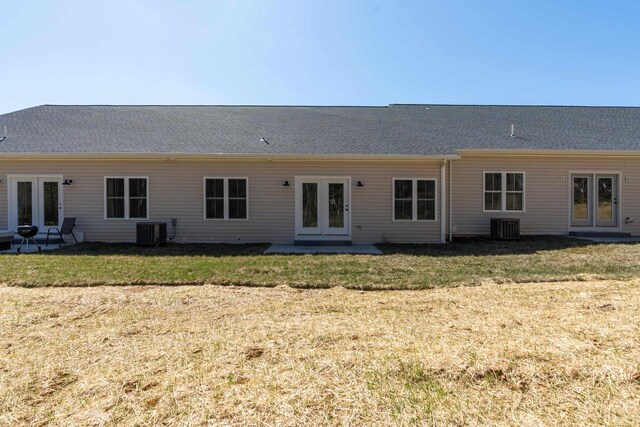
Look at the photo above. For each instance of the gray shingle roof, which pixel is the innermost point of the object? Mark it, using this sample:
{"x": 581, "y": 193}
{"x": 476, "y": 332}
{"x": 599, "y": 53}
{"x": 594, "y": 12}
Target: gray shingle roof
{"x": 393, "y": 130}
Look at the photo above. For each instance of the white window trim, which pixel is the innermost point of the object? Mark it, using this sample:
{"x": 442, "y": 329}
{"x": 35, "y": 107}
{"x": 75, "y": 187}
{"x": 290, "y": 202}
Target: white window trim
{"x": 414, "y": 200}
{"x": 126, "y": 198}
{"x": 503, "y": 199}
{"x": 226, "y": 198}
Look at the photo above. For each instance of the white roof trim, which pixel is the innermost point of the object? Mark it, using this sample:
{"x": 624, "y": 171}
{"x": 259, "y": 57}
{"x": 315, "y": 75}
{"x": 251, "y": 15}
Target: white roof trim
{"x": 191, "y": 156}
{"x": 564, "y": 153}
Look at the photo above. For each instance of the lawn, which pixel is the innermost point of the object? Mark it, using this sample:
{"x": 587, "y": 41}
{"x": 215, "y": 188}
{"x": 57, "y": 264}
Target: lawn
{"x": 511, "y": 354}
{"x": 468, "y": 262}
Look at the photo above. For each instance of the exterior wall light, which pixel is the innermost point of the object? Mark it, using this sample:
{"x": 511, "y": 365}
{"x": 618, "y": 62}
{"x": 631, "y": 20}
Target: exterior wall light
{"x": 67, "y": 182}
{"x": 285, "y": 183}
{"x": 359, "y": 184}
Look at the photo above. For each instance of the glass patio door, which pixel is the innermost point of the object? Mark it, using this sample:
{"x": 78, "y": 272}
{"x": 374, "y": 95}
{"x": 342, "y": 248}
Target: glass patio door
{"x": 607, "y": 201}
{"x": 322, "y": 206}
{"x": 594, "y": 200}
{"x": 49, "y": 204}
{"x": 35, "y": 201}
{"x": 309, "y": 215}
{"x": 581, "y": 206}
{"x": 26, "y": 201}
{"x": 336, "y": 207}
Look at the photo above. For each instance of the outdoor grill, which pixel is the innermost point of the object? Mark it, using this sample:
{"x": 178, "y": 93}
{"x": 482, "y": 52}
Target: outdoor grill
{"x": 28, "y": 232}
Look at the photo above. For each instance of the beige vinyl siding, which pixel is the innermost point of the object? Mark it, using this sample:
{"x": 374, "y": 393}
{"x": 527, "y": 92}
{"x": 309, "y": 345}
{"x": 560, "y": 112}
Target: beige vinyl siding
{"x": 547, "y": 196}
{"x": 175, "y": 190}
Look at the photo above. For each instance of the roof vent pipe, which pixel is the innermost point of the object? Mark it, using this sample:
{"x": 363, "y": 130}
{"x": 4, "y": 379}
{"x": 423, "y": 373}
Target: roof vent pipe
{"x": 513, "y": 130}
{"x": 5, "y": 134}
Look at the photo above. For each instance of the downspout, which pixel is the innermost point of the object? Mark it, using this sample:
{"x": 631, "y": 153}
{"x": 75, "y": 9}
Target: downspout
{"x": 443, "y": 202}
{"x": 451, "y": 201}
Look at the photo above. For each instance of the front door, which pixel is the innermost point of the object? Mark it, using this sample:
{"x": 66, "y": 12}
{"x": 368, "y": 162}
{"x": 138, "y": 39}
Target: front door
{"x": 35, "y": 201}
{"x": 322, "y": 207}
{"x": 594, "y": 200}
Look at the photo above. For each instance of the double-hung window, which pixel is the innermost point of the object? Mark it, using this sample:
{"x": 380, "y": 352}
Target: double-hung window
{"x": 226, "y": 198}
{"x": 504, "y": 191}
{"x": 126, "y": 197}
{"x": 414, "y": 199}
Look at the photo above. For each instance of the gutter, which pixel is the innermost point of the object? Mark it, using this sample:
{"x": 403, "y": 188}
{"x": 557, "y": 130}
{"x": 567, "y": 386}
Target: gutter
{"x": 556, "y": 153}
{"x": 220, "y": 156}
{"x": 443, "y": 201}
{"x": 451, "y": 201}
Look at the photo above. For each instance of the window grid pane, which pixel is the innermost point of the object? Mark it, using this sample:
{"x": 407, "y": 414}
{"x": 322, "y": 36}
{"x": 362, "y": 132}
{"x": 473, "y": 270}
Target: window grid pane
{"x": 115, "y": 187}
{"x": 137, "y": 187}
{"x": 237, "y": 188}
{"x": 214, "y": 198}
{"x": 403, "y": 210}
{"x": 403, "y": 199}
{"x": 514, "y": 201}
{"x": 237, "y": 198}
{"x": 515, "y": 182}
{"x": 426, "y": 204}
{"x": 115, "y": 197}
{"x": 137, "y": 198}
{"x": 237, "y": 209}
{"x": 492, "y": 201}
{"x": 215, "y": 208}
{"x": 515, "y": 192}
{"x": 493, "y": 182}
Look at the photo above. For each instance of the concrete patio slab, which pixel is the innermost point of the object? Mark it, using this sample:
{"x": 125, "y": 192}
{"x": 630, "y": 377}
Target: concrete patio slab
{"x": 30, "y": 250}
{"x": 611, "y": 239}
{"x": 302, "y": 250}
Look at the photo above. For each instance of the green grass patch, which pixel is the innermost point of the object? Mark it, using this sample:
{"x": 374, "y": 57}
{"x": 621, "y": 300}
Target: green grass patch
{"x": 467, "y": 262}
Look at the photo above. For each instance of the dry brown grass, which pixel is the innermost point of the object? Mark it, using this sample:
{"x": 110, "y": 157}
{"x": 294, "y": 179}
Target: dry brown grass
{"x": 543, "y": 354}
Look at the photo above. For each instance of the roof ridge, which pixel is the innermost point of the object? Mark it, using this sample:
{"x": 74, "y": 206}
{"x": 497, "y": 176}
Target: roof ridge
{"x": 515, "y": 105}
{"x": 214, "y": 105}
{"x": 336, "y": 106}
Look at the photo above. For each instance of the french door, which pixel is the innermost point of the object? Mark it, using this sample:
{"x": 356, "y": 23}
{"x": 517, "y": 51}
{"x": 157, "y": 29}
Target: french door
{"x": 322, "y": 207}
{"x": 35, "y": 201}
{"x": 594, "y": 200}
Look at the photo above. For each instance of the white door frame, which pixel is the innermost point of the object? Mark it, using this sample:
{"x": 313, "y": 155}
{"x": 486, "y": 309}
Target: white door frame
{"x": 12, "y": 198}
{"x": 594, "y": 201}
{"x": 318, "y": 233}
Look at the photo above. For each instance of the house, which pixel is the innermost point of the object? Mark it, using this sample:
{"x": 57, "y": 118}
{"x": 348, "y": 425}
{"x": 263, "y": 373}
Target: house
{"x": 400, "y": 173}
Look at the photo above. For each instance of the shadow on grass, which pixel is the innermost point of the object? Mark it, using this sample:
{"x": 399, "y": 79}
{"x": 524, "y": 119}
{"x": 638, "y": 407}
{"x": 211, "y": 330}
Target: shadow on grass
{"x": 170, "y": 250}
{"x": 478, "y": 246}
{"x": 460, "y": 247}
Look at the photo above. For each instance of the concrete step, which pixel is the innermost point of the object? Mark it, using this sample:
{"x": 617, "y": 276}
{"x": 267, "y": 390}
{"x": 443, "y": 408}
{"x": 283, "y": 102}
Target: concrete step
{"x": 323, "y": 243}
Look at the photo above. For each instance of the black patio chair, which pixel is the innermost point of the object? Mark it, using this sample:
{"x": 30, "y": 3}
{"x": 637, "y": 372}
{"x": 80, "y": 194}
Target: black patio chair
{"x": 67, "y": 228}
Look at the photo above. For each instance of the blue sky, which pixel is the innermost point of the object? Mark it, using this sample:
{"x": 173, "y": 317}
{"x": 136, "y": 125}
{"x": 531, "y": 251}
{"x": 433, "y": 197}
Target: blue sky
{"x": 319, "y": 52}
